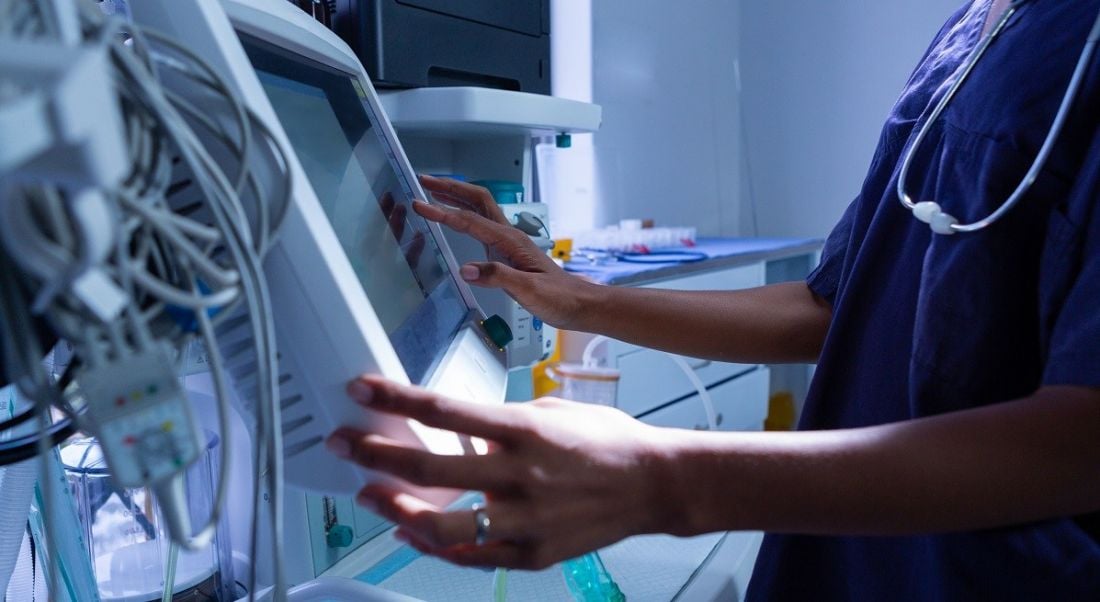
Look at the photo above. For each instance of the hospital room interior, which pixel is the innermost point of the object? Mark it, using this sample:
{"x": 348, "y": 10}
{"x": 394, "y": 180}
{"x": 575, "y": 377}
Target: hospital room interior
{"x": 577, "y": 300}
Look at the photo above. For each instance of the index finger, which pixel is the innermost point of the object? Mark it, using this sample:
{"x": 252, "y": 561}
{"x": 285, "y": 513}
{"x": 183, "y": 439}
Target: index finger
{"x": 483, "y": 229}
{"x": 473, "y": 196}
{"x": 497, "y": 423}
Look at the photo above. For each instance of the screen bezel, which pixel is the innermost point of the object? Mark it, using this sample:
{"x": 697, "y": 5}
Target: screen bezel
{"x": 298, "y": 42}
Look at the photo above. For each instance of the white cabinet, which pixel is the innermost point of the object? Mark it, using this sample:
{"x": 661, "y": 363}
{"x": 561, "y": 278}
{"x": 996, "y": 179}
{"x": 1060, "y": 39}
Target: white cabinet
{"x": 740, "y": 404}
{"x": 653, "y": 388}
{"x": 651, "y": 381}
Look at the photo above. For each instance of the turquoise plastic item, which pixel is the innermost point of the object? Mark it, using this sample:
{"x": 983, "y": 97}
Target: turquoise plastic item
{"x": 339, "y": 536}
{"x": 589, "y": 581}
{"x": 504, "y": 192}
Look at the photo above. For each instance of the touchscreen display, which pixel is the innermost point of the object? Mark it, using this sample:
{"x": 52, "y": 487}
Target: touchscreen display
{"x": 367, "y": 200}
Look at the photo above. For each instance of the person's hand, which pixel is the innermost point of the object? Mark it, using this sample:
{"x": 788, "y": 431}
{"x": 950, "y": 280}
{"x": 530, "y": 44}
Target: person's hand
{"x": 515, "y": 263}
{"x": 560, "y": 479}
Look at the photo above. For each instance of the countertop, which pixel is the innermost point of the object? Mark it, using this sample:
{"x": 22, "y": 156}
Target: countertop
{"x": 721, "y": 253}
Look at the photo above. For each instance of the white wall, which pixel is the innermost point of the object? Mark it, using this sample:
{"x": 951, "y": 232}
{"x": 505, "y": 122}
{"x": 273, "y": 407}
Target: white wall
{"x": 818, "y": 80}
{"x": 668, "y": 148}
{"x": 817, "y": 77}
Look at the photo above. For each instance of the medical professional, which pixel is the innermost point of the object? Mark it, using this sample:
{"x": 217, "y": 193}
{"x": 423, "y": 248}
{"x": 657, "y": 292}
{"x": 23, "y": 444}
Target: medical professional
{"x": 950, "y": 442}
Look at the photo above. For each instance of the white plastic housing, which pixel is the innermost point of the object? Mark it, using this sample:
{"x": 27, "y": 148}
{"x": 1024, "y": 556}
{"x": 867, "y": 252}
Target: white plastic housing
{"x": 327, "y": 329}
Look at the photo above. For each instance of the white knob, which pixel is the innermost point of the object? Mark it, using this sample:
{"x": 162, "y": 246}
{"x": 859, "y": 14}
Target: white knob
{"x": 942, "y": 222}
{"x": 926, "y": 211}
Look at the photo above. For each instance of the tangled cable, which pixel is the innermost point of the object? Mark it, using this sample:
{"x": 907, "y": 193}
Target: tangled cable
{"x": 160, "y": 256}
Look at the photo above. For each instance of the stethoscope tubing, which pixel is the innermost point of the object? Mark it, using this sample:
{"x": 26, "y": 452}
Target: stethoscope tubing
{"x": 1064, "y": 109}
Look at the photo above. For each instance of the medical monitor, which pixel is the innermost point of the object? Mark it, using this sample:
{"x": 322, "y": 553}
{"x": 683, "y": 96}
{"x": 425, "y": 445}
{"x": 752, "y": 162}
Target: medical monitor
{"x": 359, "y": 283}
{"x": 366, "y": 196}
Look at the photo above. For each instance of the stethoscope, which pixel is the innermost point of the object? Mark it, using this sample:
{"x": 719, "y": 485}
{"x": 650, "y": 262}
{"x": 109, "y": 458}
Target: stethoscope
{"x": 602, "y": 257}
{"x": 930, "y": 212}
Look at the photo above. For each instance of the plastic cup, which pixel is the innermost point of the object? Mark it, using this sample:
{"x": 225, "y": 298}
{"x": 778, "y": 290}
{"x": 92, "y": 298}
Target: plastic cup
{"x": 587, "y": 384}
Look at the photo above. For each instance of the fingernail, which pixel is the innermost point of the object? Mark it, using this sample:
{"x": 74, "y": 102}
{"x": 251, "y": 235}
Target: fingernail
{"x": 425, "y": 176}
{"x": 338, "y": 446}
{"x": 402, "y": 536}
{"x": 469, "y": 272}
{"x": 360, "y": 391}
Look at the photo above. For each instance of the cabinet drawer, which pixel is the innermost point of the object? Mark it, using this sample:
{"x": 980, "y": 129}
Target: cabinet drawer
{"x": 741, "y": 405}
{"x": 649, "y": 379}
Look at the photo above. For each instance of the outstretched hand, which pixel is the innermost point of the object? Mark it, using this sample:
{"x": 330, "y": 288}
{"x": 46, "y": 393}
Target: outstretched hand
{"x": 560, "y": 479}
{"x": 515, "y": 263}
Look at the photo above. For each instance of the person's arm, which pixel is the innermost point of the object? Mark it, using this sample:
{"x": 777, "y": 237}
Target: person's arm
{"x": 565, "y": 478}
{"x": 780, "y": 323}
{"x": 773, "y": 324}
{"x": 1021, "y": 461}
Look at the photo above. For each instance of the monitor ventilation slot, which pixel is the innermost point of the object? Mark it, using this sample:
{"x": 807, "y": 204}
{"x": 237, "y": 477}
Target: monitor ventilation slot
{"x": 299, "y": 426}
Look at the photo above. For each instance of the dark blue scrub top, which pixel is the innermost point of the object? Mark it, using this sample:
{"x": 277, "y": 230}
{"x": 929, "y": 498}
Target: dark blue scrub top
{"x": 926, "y": 324}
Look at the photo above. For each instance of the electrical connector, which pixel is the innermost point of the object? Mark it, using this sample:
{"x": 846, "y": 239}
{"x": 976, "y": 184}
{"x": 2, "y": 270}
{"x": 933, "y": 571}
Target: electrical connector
{"x": 67, "y": 128}
{"x": 142, "y": 417}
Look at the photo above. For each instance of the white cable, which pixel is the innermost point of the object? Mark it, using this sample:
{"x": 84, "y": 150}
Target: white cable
{"x": 30, "y": 251}
{"x": 139, "y": 325}
{"x": 214, "y": 185}
{"x": 261, "y": 207}
{"x": 164, "y": 225}
{"x": 270, "y": 432}
{"x": 170, "y": 573}
{"x": 704, "y": 395}
{"x": 221, "y": 391}
{"x": 587, "y": 358}
{"x": 165, "y": 242}
{"x": 174, "y": 296}
{"x": 589, "y": 361}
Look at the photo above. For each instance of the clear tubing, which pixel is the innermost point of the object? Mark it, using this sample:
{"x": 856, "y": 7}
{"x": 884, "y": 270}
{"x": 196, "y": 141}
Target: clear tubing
{"x": 588, "y": 360}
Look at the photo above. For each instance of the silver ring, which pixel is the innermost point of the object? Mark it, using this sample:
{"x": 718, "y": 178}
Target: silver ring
{"x": 481, "y": 522}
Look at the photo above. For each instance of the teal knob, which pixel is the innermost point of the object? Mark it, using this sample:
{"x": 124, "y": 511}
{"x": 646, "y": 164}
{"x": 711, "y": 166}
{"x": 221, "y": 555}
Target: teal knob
{"x": 497, "y": 329}
{"x": 339, "y": 536}
{"x": 563, "y": 141}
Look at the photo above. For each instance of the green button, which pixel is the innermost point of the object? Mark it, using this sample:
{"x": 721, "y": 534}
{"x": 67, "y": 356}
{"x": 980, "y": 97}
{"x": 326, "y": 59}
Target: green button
{"x": 339, "y": 536}
{"x": 497, "y": 329}
{"x": 563, "y": 141}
